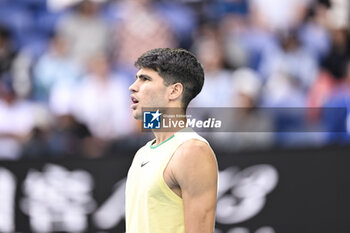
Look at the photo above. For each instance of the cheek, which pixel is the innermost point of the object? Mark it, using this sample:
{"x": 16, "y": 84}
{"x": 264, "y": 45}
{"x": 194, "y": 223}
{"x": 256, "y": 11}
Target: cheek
{"x": 155, "y": 98}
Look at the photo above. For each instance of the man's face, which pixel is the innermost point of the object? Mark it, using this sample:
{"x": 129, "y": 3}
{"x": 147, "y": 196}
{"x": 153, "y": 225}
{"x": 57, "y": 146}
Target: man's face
{"x": 147, "y": 91}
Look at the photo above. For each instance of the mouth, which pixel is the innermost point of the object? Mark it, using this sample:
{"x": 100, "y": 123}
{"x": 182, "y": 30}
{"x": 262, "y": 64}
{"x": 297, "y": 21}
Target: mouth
{"x": 134, "y": 102}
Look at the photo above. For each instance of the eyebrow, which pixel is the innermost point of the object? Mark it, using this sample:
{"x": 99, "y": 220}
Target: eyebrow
{"x": 143, "y": 76}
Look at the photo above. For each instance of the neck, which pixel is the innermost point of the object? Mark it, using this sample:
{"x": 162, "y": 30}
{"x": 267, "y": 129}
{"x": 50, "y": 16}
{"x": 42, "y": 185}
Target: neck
{"x": 164, "y": 134}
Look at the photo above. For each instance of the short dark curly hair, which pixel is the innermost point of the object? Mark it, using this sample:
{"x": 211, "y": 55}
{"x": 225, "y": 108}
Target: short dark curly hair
{"x": 175, "y": 66}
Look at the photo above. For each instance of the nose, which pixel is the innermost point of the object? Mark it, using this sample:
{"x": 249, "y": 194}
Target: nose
{"x": 133, "y": 87}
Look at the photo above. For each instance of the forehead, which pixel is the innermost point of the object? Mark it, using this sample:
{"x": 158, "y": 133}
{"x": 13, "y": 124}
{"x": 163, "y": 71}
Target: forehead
{"x": 149, "y": 72}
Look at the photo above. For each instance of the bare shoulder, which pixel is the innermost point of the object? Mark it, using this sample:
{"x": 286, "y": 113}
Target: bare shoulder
{"x": 194, "y": 159}
{"x": 195, "y": 150}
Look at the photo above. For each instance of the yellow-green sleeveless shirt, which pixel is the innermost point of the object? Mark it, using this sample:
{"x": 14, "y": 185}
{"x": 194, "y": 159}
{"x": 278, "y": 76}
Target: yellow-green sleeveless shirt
{"x": 151, "y": 206}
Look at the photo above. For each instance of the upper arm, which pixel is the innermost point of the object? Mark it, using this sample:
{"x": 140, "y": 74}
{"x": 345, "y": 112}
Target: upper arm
{"x": 195, "y": 171}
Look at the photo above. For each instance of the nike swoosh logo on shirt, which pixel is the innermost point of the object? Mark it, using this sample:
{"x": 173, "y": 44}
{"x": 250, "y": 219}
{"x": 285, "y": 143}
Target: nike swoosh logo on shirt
{"x": 144, "y": 163}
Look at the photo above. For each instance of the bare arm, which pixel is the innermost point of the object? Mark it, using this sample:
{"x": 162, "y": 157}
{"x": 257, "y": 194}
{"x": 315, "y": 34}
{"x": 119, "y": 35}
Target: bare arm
{"x": 195, "y": 171}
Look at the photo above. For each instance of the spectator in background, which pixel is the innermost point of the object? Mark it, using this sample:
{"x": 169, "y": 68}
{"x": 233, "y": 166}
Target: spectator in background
{"x": 7, "y": 52}
{"x": 251, "y": 128}
{"x": 233, "y": 29}
{"x": 17, "y": 118}
{"x": 339, "y": 13}
{"x": 15, "y": 61}
{"x": 331, "y": 71}
{"x": 291, "y": 59}
{"x": 84, "y": 32}
{"x": 336, "y": 59}
{"x": 337, "y": 124}
{"x": 54, "y": 68}
{"x": 140, "y": 29}
{"x": 278, "y": 15}
{"x": 248, "y": 86}
{"x": 245, "y": 41}
{"x": 280, "y": 92}
{"x": 216, "y": 90}
{"x": 182, "y": 19}
{"x": 68, "y": 138}
{"x": 216, "y": 10}
{"x": 101, "y": 101}
{"x": 314, "y": 32}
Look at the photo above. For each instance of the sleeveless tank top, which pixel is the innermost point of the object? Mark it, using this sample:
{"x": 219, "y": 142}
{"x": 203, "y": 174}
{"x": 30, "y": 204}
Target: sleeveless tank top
{"x": 151, "y": 206}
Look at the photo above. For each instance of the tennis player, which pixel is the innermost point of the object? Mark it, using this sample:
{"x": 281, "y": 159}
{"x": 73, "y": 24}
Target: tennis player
{"x": 172, "y": 182}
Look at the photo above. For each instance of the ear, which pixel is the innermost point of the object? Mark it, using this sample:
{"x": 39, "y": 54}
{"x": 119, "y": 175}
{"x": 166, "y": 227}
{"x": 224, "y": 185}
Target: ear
{"x": 175, "y": 91}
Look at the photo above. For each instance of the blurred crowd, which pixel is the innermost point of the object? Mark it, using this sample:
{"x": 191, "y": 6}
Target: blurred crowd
{"x": 65, "y": 68}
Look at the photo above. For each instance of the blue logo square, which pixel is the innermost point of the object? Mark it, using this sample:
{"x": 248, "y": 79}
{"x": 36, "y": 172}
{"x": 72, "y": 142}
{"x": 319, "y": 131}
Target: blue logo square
{"x": 151, "y": 120}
